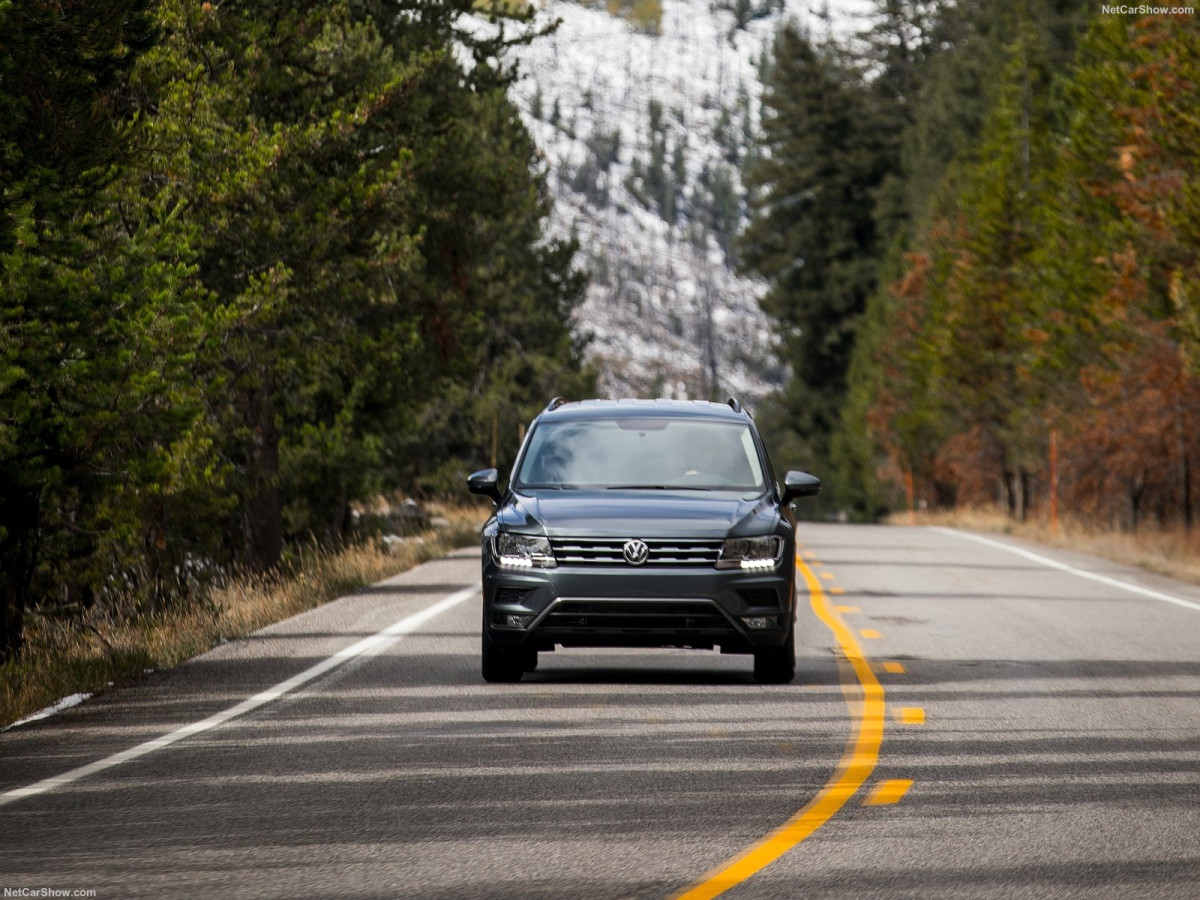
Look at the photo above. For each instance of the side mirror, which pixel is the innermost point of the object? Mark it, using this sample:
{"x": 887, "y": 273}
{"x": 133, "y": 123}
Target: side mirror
{"x": 484, "y": 482}
{"x": 800, "y": 484}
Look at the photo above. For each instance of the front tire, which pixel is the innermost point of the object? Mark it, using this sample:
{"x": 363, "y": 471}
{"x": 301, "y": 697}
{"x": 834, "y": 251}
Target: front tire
{"x": 777, "y": 665}
{"x": 501, "y": 664}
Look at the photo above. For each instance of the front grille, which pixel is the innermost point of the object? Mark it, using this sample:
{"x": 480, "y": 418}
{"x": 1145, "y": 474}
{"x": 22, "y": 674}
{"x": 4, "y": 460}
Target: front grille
{"x": 610, "y": 551}
{"x": 636, "y": 616}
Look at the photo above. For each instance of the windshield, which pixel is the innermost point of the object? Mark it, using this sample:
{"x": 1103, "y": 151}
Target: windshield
{"x": 642, "y": 453}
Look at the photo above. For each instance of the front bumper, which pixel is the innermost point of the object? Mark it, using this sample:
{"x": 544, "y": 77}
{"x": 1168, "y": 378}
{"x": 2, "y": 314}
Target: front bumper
{"x": 620, "y": 606}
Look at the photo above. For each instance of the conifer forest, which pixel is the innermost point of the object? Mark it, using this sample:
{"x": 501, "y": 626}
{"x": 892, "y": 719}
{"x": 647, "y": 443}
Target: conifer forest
{"x": 257, "y": 261}
{"x": 262, "y": 261}
{"x": 979, "y": 224}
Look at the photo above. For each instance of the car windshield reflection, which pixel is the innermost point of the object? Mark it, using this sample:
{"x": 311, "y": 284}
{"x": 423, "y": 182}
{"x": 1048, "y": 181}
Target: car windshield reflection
{"x": 642, "y": 454}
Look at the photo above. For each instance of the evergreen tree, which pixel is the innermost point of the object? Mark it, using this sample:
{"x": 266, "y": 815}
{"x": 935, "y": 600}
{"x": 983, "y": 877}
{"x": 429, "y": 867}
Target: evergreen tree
{"x": 74, "y": 368}
{"x": 1112, "y": 281}
{"x": 953, "y": 86}
{"x": 958, "y": 209}
{"x": 812, "y": 232}
{"x": 321, "y": 274}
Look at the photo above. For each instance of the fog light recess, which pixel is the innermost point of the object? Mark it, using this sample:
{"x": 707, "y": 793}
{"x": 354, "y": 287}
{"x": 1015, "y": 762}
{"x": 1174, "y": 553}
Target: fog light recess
{"x": 758, "y": 623}
{"x": 513, "y": 621}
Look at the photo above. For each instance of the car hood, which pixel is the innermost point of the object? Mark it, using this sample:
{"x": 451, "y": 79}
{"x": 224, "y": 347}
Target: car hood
{"x": 640, "y": 513}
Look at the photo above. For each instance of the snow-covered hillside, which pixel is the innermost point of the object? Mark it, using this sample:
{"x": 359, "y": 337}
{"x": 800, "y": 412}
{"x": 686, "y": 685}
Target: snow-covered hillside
{"x": 645, "y": 131}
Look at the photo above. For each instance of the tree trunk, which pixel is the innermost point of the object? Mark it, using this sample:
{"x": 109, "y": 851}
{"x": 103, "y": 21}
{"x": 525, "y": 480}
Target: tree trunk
{"x": 264, "y": 506}
{"x": 1022, "y": 491}
{"x": 19, "y": 514}
{"x": 1187, "y": 494}
{"x": 1185, "y": 468}
{"x": 1136, "y": 489}
{"x": 1008, "y": 492}
{"x": 340, "y": 519}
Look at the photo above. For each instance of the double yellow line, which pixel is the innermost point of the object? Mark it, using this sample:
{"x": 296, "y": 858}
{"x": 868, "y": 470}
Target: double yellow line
{"x": 867, "y": 708}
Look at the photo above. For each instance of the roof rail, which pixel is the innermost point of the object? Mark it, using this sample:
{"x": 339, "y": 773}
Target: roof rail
{"x": 734, "y": 404}
{"x": 555, "y": 403}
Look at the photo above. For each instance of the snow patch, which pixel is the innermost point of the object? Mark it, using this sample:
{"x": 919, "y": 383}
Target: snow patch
{"x": 667, "y": 311}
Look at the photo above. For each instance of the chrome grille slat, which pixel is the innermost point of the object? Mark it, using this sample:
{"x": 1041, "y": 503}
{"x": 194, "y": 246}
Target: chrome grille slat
{"x": 663, "y": 551}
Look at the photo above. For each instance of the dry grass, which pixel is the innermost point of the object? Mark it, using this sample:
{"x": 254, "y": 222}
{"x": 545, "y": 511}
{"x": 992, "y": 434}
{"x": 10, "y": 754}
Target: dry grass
{"x": 100, "y": 651}
{"x": 1171, "y": 551}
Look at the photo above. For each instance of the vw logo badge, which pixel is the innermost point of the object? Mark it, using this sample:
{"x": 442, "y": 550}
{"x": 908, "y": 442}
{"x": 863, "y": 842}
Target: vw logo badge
{"x": 635, "y": 552}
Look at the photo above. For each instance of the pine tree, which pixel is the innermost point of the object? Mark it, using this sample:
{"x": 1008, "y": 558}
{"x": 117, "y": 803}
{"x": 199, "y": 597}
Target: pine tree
{"x": 812, "y": 232}
{"x": 73, "y": 364}
{"x": 968, "y": 89}
{"x": 1112, "y": 280}
{"x": 321, "y": 271}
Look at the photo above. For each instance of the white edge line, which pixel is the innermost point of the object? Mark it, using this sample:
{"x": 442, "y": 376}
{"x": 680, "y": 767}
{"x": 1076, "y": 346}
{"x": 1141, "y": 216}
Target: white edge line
{"x": 52, "y": 710}
{"x": 1082, "y": 573}
{"x": 374, "y": 644}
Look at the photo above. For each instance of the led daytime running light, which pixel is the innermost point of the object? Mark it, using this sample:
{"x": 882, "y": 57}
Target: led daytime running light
{"x": 753, "y": 554}
{"x": 521, "y": 551}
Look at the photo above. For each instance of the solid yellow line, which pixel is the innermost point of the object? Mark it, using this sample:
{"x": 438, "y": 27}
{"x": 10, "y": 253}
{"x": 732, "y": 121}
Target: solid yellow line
{"x": 894, "y": 668}
{"x": 865, "y": 699}
{"x": 870, "y": 634}
{"x": 910, "y": 715}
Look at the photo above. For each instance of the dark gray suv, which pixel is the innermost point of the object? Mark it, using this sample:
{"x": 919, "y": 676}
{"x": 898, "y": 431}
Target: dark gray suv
{"x": 640, "y": 523}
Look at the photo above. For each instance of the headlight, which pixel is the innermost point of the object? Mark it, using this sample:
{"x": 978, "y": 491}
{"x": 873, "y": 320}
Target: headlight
{"x": 751, "y": 553}
{"x": 522, "y": 551}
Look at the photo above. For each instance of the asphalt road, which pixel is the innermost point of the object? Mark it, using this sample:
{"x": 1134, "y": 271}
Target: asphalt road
{"x": 966, "y": 721}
